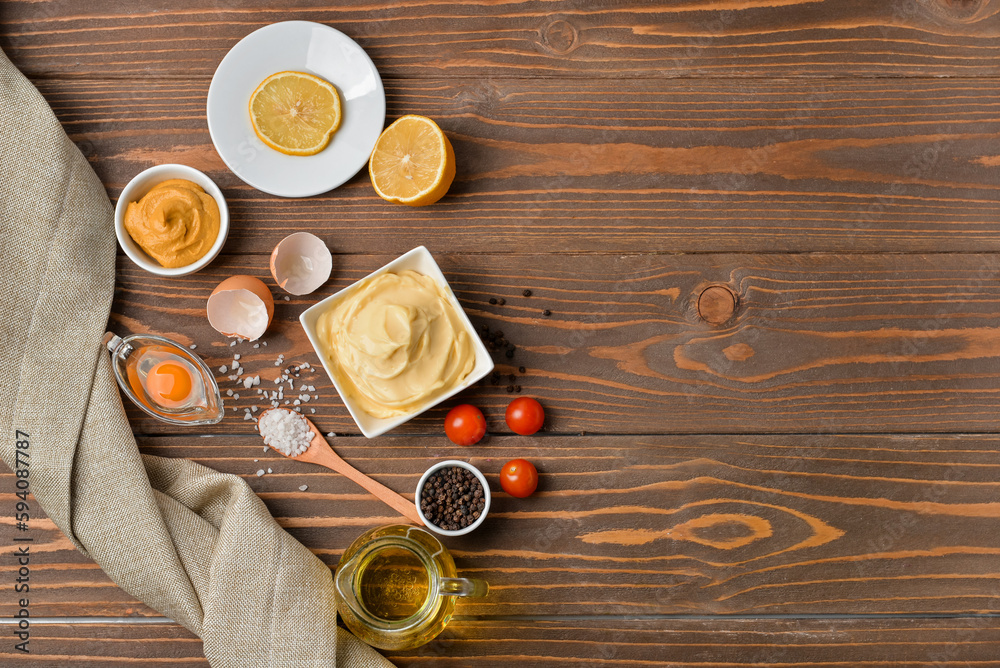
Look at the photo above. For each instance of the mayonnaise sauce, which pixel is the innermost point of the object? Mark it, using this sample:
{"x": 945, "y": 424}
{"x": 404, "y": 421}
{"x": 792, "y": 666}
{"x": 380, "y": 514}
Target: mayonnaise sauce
{"x": 396, "y": 343}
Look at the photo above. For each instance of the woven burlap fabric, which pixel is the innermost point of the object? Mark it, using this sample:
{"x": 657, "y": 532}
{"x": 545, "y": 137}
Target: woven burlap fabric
{"x": 194, "y": 544}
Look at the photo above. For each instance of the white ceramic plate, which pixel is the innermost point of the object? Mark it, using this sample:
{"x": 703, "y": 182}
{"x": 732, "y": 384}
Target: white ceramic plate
{"x": 419, "y": 259}
{"x": 301, "y": 46}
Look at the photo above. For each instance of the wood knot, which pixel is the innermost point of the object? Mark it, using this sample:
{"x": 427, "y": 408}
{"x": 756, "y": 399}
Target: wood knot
{"x": 560, "y": 36}
{"x": 695, "y": 530}
{"x": 964, "y": 11}
{"x": 716, "y": 304}
{"x": 961, "y": 5}
{"x": 738, "y": 352}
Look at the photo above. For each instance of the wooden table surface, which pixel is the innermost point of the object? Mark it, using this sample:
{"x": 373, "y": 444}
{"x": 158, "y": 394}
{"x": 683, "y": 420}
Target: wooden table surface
{"x": 768, "y": 234}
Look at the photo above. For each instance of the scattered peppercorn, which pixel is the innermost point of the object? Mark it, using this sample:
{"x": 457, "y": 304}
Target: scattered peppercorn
{"x": 493, "y": 300}
{"x": 517, "y": 388}
{"x": 512, "y": 378}
{"x": 521, "y": 369}
{"x": 510, "y": 388}
{"x": 452, "y": 498}
{"x": 526, "y": 293}
{"x": 495, "y": 342}
{"x": 501, "y": 301}
{"x": 546, "y": 313}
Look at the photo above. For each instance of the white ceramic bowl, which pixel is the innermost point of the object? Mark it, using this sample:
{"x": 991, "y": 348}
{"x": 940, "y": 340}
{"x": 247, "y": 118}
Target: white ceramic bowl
{"x": 141, "y": 184}
{"x": 419, "y": 259}
{"x": 298, "y": 46}
{"x": 486, "y": 495}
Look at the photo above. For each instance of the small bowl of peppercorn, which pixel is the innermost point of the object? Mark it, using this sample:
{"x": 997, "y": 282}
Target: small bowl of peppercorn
{"x": 453, "y": 498}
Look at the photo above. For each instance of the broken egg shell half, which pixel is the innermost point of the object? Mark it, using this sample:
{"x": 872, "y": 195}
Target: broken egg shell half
{"x": 241, "y": 307}
{"x": 301, "y": 263}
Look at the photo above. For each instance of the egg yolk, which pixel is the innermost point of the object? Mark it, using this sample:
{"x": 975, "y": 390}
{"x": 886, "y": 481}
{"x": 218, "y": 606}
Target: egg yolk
{"x": 169, "y": 384}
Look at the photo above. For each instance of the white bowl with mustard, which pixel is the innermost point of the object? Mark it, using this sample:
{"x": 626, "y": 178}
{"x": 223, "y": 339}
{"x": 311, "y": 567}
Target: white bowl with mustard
{"x": 396, "y": 343}
{"x": 171, "y": 220}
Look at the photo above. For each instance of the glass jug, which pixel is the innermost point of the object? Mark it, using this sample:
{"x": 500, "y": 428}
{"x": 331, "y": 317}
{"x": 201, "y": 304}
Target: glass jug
{"x": 397, "y": 586}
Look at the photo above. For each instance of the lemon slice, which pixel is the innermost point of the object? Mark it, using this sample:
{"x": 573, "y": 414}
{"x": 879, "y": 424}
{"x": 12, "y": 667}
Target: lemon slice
{"x": 413, "y": 162}
{"x": 295, "y": 113}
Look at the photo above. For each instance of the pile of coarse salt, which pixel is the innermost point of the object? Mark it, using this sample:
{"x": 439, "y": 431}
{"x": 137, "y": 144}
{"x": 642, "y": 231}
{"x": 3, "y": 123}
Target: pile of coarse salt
{"x": 285, "y": 431}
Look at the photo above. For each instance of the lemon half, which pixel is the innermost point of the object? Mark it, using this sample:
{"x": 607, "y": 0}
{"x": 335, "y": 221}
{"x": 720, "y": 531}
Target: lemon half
{"x": 413, "y": 162}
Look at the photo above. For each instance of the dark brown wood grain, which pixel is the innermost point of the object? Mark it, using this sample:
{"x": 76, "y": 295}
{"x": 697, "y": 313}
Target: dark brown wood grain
{"x": 680, "y": 38}
{"x": 713, "y": 643}
{"x": 611, "y": 643}
{"x": 616, "y": 166}
{"x": 103, "y": 645}
{"x": 829, "y": 343}
{"x": 632, "y": 164}
{"x": 638, "y": 525}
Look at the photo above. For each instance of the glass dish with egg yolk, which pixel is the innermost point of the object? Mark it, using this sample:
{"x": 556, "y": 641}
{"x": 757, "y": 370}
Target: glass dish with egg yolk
{"x": 166, "y": 380}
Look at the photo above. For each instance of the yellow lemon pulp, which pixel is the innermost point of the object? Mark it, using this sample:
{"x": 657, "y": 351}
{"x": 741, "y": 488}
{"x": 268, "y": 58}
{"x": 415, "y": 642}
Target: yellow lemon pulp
{"x": 413, "y": 162}
{"x": 295, "y": 113}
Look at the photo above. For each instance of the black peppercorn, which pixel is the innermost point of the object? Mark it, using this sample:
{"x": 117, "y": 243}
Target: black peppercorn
{"x": 452, "y": 498}
{"x": 546, "y": 313}
{"x": 493, "y": 300}
{"x": 526, "y": 293}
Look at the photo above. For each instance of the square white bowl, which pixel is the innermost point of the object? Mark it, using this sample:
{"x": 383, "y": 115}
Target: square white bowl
{"x": 419, "y": 260}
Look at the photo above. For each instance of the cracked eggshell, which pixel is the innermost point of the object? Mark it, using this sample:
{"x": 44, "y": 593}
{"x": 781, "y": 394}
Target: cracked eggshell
{"x": 301, "y": 263}
{"x": 241, "y": 307}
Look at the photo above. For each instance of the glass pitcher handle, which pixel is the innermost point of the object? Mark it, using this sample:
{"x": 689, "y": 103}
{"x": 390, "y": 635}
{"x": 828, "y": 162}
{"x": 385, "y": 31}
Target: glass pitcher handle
{"x": 463, "y": 587}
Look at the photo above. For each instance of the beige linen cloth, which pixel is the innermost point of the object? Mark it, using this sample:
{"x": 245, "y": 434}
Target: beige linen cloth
{"x": 192, "y": 543}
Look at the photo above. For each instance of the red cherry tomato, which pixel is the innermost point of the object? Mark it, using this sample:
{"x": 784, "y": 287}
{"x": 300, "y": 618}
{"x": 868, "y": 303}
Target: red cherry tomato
{"x": 519, "y": 478}
{"x": 525, "y": 416}
{"x": 465, "y": 425}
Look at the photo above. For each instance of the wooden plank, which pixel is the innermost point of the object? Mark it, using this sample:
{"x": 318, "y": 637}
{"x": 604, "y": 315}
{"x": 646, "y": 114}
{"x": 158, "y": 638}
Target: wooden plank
{"x": 617, "y": 166}
{"x": 851, "y": 643}
{"x": 755, "y": 38}
{"x": 638, "y": 525}
{"x": 828, "y": 343}
{"x": 101, "y": 645}
{"x": 678, "y": 643}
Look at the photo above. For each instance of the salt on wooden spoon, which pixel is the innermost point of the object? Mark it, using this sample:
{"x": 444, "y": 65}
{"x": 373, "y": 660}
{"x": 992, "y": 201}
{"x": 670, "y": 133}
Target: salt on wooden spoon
{"x": 291, "y": 434}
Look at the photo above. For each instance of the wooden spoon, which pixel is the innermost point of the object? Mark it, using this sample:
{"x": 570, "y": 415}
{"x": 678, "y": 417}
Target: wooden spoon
{"x": 320, "y": 452}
